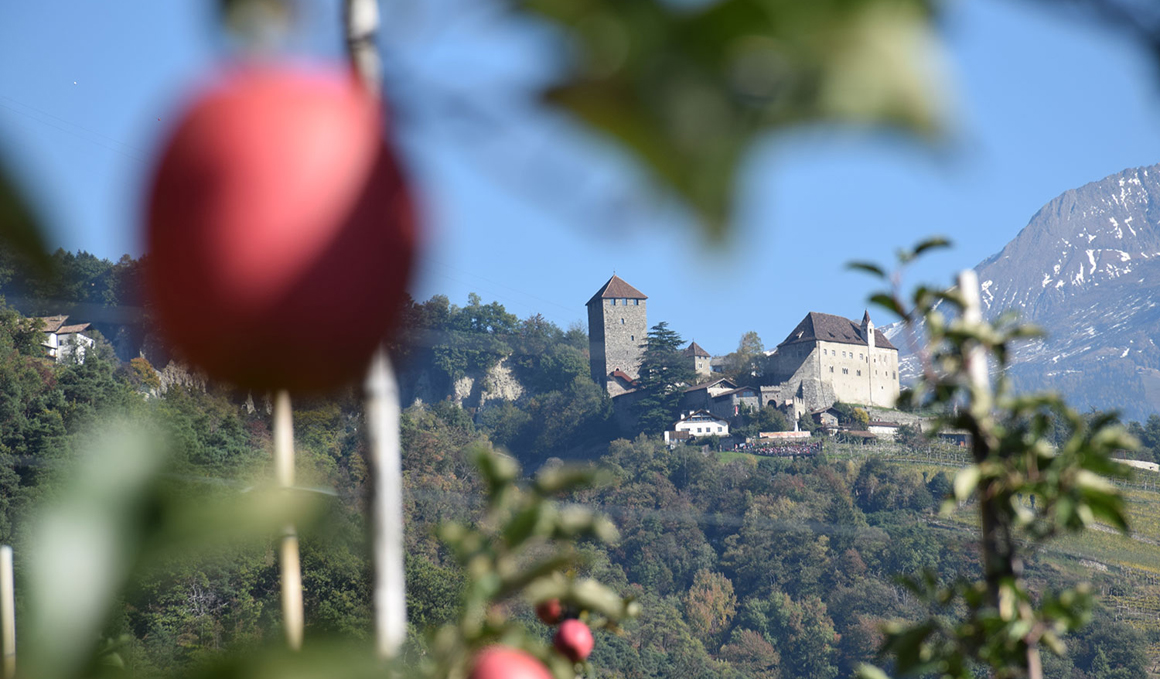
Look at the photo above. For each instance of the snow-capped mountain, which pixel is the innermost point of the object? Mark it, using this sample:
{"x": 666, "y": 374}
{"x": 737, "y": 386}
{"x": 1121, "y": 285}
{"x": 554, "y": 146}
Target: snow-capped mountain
{"x": 1087, "y": 270}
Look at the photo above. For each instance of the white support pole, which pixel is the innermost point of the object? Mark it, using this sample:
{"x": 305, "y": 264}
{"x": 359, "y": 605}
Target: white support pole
{"x": 382, "y": 401}
{"x": 291, "y": 567}
{"x": 7, "y": 613}
{"x": 390, "y": 592}
{"x": 976, "y": 357}
{"x": 362, "y": 27}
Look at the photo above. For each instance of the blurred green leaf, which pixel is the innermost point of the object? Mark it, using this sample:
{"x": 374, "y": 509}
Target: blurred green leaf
{"x": 19, "y": 227}
{"x": 931, "y": 244}
{"x": 688, "y": 91}
{"x": 867, "y": 267}
{"x": 888, "y": 302}
{"x": 86, "y": 545}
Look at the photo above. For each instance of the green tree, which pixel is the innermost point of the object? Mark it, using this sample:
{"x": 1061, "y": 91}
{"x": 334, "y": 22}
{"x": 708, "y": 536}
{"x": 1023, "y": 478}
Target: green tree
{"x": 663, "y": 371}
{"x": 1149, "y": 435}
{"x": 743, "y": 365}
{"x": 710, "y": 605}
{"x": 801, "y": 631}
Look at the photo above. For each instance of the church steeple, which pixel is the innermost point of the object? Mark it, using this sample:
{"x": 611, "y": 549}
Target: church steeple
{"x": 868, "y": 329}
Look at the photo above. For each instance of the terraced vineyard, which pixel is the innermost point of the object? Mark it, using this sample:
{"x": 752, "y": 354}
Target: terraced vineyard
{"x": 1124, "y": 571}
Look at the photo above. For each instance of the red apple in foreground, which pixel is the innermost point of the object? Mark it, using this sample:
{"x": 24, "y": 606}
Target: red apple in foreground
{"x": 550, "y": 611}
{"x": 280, "y": 230}
{"x": 501, "y": 662}
{"x": 574, "y": 640}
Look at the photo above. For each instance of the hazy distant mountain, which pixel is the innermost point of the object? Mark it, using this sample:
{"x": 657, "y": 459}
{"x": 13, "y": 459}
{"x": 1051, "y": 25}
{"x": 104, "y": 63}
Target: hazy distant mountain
{"x": 1087, "y": 270}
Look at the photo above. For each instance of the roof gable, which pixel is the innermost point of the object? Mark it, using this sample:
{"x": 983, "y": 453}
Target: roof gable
{"x": 52, "y": 323}
{"x": 616, "y": 287}
{"x": 819, "y": 327}
{"x": 694, "y": 349}
{"x": 702, "y": 416}
{"x": 707, "y": 385}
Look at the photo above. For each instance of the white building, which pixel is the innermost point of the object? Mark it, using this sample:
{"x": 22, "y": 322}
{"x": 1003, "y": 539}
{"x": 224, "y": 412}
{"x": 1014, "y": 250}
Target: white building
{"x": 65, "y": 343}
{"x": 697, "y": 424}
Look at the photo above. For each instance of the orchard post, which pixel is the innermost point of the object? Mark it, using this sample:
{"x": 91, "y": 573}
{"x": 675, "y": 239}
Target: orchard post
{"x": 382, "y": 403}
{"x": 7, "y": 612}
{"x": 291, "y": 567}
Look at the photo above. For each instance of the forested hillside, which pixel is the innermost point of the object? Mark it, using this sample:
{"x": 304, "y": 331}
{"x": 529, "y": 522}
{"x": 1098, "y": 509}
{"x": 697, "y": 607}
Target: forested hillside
{"x": 745, "y": 566}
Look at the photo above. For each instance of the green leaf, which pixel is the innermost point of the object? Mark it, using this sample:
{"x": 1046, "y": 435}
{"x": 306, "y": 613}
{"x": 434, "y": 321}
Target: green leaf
{"x": 868, "y": 267}
{"x": 966, "y": 481}
{"x": 688, "y": 91}
{"x": 19, "y": 227}
{"x": 932, "y": 243}
{"x": 100, "y": 522}
{"x": 871, "y": 672}
{"x": 523, "y": 525}
{"x": 888, "y": 302}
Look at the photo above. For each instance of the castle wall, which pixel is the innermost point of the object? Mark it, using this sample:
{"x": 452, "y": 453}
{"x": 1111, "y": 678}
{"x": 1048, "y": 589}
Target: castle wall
{"x": 860, "y": 374}
{"x": 821, "y": 373}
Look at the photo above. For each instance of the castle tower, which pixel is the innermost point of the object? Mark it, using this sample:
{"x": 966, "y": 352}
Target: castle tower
{"x": 868, "y": 330}
{"x": 617, "y": 331}
{"x": 698, "y": 359}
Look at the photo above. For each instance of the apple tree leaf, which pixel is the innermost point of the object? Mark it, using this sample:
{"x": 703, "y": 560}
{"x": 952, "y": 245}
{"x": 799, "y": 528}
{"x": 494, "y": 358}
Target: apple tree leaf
{"x": 688, "y": 90}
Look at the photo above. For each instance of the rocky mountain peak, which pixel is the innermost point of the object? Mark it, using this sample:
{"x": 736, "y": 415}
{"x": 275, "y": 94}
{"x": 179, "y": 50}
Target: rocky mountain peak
{"x": 1086, "y": 269}
{"x": 1099, "y": 234}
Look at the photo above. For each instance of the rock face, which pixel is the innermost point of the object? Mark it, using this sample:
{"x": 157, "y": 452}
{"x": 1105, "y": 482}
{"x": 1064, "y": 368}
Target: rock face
{"x": 1087, "y": 270}
{"x": 469, "y": 391}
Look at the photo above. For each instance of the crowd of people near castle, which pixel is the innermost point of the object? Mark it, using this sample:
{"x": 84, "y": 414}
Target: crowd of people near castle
{"x": 780, "y": 449}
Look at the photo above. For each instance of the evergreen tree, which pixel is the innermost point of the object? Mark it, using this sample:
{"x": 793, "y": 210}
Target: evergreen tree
{"x": 662, "y": 371}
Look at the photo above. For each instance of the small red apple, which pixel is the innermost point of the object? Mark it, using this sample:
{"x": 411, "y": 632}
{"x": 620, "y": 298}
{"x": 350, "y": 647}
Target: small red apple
{"x": 501, "y": 662}
{"x": 280, "y": 230}
{"x": 550, "y": 611}
{"x": 574, "y": 640}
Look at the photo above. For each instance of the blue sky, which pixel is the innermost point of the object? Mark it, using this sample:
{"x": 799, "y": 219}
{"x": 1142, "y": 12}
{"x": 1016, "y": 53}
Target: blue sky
{"x": 524, "y": 208}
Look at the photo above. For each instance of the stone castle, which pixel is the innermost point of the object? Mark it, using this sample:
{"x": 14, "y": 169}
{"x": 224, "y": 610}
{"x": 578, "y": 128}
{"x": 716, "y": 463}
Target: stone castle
{"x": 824, "y": 360}
{"x": 827, "y": 359}
{"x": 617, "y": 330}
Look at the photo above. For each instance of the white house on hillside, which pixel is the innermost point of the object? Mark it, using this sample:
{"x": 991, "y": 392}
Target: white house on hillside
{"x": 65, "y": 343}
{"x": 697, "y": 424}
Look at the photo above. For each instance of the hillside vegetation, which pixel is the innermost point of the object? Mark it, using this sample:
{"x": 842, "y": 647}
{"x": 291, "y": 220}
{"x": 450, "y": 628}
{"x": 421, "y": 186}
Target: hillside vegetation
{"x": 746, "y": 566}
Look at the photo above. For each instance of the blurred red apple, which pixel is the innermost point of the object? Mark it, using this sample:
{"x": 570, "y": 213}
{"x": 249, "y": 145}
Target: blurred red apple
{"x": 574, "y": 640}
{"x": 280, "y": 231}
{"x": 550, "y": 611}
{"x": 501, "y": 662}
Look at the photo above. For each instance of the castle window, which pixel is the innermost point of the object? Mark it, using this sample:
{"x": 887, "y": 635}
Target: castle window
{"x": 859, "y": 357}
{"x": 622, "y": 321}
{"x": 831, "y": 368}
{"x": 632, "y": 338}
{"x": 612, "y": 302}
{"x": 859, "y": 373}
{"x": 624, "y": 302}
{"x": 636, "y": 302}
{"x": 845, "y": 371}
